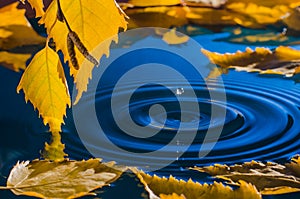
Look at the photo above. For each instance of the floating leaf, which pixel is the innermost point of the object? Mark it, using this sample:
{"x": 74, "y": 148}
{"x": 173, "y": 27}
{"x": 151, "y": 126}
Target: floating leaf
{"x": 270, "y": 178}
{"x": 44, "y": 86}
{"x": 283, "y": 60}
{"x": 168, "y": 187}
{"x": 14, "y": 61}
{"x": 94, "y": 22}
{"x": 64, "y": 180}
{"x": 251, "y": 14}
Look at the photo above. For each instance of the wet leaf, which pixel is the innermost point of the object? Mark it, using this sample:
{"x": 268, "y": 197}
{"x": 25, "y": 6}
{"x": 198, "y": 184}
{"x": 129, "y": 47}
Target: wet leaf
{"x": 14, "y": 61}
{"x": 269, "y": 178}
{"x": 251, "y": 14}
{"x": 283, "y": 60}
{"x": 64, "y": 180}
{"x": 44, "y": 86}
{"x": 169, "y": 187}
{"x": 95, "y": 23}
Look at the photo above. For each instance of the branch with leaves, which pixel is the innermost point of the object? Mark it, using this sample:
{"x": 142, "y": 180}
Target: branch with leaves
{"x": 69, "y": 24}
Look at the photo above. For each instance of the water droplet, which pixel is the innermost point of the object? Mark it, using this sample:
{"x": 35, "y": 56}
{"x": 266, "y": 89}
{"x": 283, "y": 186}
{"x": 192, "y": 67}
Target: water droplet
{"x": 179, "y": 91}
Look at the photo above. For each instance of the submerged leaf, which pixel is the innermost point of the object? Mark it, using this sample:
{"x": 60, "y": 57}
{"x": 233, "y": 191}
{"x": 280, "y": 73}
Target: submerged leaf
{"x": 64, "y": 180}
{"x": 169, "y": 187}
{"x": 44, "y": 86}
{"x": 95, "y": 23}
{"x": 283, "y": 60}
{"x": 270, "y": 178}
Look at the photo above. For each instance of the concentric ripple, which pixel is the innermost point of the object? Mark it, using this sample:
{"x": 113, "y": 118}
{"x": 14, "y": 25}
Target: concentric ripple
{"x": 261, "y": 120}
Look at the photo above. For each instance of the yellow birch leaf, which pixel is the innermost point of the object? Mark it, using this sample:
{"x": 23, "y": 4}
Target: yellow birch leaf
{"x": 14, "y": 61}
{"x": 269, "y": 178}
{"x": 37, "y": 5}
{"x": 45, "y": 89}
{"x": 61, "y": 180}
{"x": 172, "y": 38}
{"x": 156, "y": 186}
{"x": 283, "y": 60}
{"x": 95, "y": 22}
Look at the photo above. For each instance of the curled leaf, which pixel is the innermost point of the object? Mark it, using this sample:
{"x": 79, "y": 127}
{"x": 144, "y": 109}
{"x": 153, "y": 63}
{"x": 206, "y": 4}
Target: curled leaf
{"x": 63, "y": 180}
{"x": 269, "y": 178}
{"x": 168, "y": 187}
{"x": 283, "y": 60}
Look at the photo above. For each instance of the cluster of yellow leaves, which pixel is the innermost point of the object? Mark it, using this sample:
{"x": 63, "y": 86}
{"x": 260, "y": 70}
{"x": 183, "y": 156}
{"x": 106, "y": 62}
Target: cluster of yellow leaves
{"x": 270, "y": 178}
{"x": 89, "y": 21}
{"x": 252, "y": 14}
{"x": 15, "y": 31}
{"x": 73, "y": 179}
{"x": 164, "y": 188}
{"x": 283, "y": 60}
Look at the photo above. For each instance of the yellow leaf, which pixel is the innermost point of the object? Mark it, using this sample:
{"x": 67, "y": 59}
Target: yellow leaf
{"x": 155, "y": 186}
{"x": 96, "y": 22}
{"x": 37, "y": 5}
{"x": 15, "y": 30}
{"x": 63, "y": 180}
{"x": 14, "y": 61}
{"x": 270, "y": 178}
{"x": 171, "y": 37}
{"x": 44, "y": 88}
{"x": 283, "y": 60}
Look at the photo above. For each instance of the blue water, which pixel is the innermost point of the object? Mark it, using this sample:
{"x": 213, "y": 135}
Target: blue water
{"x": 261, "y": 121}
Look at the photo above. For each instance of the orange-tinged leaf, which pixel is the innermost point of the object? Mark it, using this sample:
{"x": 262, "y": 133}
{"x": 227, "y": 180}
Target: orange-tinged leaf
{"x": 283, "y": 60}
{"x": 45, "y": 89}
{"x": 61, "y": 180}
{"x": 269, "y": 178}
{"x": 14, "y": 61}
{"x": 95, "y": 22}
{"x": 165, "y": 187}
{"x": 37, "y": 5}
